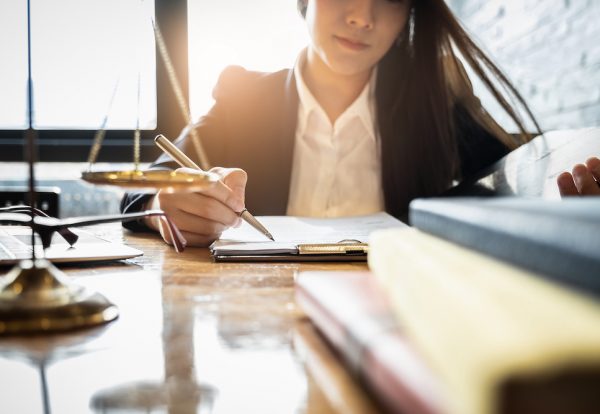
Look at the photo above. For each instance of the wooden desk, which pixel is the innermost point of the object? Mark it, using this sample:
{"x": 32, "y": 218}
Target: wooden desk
{"x": 192, "y": 336}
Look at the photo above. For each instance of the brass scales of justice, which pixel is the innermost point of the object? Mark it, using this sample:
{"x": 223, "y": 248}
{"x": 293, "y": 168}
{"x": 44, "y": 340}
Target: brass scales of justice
{"x": 35, "y": 296}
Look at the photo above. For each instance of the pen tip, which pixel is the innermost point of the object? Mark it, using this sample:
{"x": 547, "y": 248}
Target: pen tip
{"x": 270, "y": 237}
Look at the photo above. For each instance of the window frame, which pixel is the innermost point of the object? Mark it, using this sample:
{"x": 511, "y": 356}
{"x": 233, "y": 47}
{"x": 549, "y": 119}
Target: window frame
{"x": 74, "y": 145}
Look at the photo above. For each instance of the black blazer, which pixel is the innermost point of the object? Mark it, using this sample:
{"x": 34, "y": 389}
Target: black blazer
{"x": 253, "y": 126}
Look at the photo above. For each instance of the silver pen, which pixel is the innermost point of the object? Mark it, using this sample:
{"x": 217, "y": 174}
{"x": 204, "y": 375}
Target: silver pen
{"x": 178, "y": 156}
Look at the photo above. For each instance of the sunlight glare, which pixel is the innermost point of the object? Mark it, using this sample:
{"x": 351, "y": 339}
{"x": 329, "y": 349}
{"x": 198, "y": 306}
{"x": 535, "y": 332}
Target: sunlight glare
{"x": 80, "y": 51}
{"x": 261, "y": 35}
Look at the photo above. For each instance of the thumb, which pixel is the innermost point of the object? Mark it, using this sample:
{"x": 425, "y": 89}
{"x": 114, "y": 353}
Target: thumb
{"x": 235, "y": 179}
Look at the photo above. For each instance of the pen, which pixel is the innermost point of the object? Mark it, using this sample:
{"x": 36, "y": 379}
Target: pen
{"x": 183, "y": 160}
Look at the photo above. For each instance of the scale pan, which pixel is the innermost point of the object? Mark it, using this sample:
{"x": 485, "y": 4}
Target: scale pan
{"x": 153, "y": 179}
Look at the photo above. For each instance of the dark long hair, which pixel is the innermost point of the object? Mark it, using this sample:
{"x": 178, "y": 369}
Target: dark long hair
{"x": 421, "y": 85}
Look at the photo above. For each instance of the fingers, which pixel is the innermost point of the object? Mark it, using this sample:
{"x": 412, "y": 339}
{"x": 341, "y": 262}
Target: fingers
{"x": 185, "y": 208}
{"x": 234, "y": 180}
{"x": 593, "y": 165}
{"x": 199, "y": 240}
{"x": 585, "y": 181}
{"x": 203, "y": 216}
{"x": 204, "y": 206}
{"x": 196, "y": 230}
{"x": 566, "y": 185}
{"x": 199, "y": 217}
{"x": 192, "y": 223}
{"x": 192, "y": 239}
{"x": 231, "y": 197}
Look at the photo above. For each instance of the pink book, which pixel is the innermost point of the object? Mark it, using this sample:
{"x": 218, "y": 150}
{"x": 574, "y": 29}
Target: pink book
{"x": 352, "y": 313}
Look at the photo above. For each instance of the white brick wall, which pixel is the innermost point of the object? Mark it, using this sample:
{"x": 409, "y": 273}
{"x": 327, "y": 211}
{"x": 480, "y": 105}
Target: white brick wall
{"x": 550, "y": 49}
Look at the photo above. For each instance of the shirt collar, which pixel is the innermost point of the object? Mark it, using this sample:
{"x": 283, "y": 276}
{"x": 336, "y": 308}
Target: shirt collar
{"x": 363, "y": 106}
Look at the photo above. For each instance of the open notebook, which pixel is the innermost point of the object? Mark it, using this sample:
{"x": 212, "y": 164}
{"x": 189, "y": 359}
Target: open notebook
{"x": 302, "y": 239}
{"x": 15, "y": 245}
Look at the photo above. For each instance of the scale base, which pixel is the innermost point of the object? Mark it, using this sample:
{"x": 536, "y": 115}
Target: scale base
{"x": 36, "y": 298}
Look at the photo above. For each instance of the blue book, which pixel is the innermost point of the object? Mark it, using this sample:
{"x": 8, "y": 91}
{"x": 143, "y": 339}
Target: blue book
{"x": 559, "y": 240}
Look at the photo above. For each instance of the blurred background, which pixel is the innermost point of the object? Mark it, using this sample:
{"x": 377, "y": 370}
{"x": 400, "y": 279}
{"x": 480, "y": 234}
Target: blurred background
{"x": 93, "y": 59}
{"x": 96, "y": 60}
{"x": 550, "y": 51}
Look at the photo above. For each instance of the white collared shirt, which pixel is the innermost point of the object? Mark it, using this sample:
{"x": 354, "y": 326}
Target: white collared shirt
{"x": 336, "y": 168}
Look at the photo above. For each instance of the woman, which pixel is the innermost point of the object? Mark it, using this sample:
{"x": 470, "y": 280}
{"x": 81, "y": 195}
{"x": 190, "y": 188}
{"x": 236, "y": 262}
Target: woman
{"x": 377, "y": 111}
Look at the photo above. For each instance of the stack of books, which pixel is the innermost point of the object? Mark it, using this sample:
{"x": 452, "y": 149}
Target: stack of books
{"x": 482, "y": 306}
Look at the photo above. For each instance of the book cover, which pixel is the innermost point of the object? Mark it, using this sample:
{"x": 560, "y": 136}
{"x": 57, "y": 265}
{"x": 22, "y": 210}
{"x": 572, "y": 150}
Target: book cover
{"x": 501, "y": 338}
{"x": 353, "y": 314}
{"x": 556, "y": 239}
{"x": 331, "y": 387}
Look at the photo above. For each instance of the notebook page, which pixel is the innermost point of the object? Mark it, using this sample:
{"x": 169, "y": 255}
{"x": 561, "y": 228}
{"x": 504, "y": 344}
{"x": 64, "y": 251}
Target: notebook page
{"x": 290, "y": 231}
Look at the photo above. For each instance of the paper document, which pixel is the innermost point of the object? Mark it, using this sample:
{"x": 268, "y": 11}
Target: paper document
{"x": 290, "y": 232}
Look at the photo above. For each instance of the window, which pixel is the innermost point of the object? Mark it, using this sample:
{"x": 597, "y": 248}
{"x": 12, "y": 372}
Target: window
{"x": 262, "y": 35}
{"x": 78, "y": 62}
{"x": 13, "y": 70}
{"x": 82, "y": 51}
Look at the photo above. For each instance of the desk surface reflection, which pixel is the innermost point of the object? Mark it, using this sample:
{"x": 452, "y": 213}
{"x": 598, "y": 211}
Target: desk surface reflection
{"x": 193, "y": 336}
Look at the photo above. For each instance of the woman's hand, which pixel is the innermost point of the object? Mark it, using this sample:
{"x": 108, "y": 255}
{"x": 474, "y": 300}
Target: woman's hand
{"x": 203, "y": 216}
{"x": 583, "y": 180}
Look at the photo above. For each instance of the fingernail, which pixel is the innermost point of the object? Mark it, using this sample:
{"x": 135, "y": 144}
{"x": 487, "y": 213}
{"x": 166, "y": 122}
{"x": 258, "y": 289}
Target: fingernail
{"x": 579, "y": 170}
{"x": 238, "y": 205}
{"x": 594, "y": 164}
{"x": 564, "y": 177}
